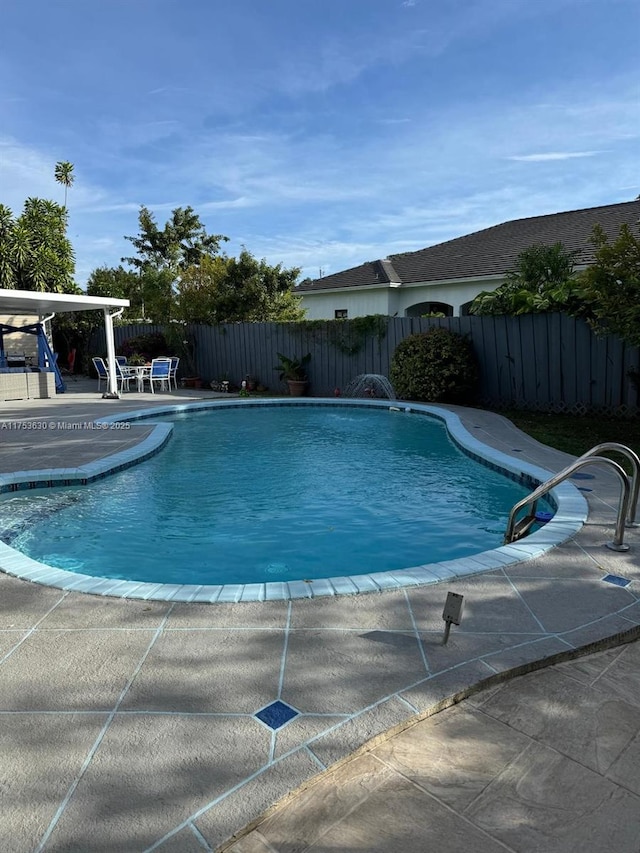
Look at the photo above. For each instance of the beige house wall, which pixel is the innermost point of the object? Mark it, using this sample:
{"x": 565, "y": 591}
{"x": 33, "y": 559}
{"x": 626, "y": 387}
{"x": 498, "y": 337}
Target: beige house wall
{"x": 455, "y": 293}
{"x": 322, "y": 305}
{"x": 395, "y": 300}
{"x": 19, "y": 342}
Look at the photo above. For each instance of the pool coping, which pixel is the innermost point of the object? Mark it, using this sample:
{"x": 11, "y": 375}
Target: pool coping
{"x": 571, "y": 513}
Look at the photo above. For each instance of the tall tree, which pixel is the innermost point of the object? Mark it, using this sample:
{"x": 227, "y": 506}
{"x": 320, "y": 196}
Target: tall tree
{"x": 150, "y": 291}
{"x": 198, "y": 288}
{"x": 180, "y": 244}
{"x": 118, "y": 283}
{"x": 35, "y": 253}
{"x": 7, "y": 226}
{"x": 64, "y": 175}
{"x": 163, "y": 253}
{"x": 243, "y": 289}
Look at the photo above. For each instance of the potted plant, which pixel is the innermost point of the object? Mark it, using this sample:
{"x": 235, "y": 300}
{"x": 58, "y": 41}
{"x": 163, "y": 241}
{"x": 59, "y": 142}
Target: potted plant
{"x": 294, "y": 372}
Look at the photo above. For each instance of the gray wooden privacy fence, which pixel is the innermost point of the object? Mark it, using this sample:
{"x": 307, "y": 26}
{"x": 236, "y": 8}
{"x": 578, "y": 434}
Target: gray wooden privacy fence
{"x": 544, "y": 362}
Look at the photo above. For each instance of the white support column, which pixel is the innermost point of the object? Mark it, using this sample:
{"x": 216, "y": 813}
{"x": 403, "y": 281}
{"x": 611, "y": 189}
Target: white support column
{"x": 112, "y": 384}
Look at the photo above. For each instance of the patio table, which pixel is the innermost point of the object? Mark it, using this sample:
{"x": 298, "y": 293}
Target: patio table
{"x": 140, "y": 372}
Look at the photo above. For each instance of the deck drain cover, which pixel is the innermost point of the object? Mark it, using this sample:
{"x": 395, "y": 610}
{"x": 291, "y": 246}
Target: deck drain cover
{"x": 616, "y": 580}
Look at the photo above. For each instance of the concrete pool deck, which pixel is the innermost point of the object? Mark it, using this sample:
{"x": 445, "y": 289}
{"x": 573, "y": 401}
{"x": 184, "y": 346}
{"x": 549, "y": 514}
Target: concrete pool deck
{"x": 131, "y": 725}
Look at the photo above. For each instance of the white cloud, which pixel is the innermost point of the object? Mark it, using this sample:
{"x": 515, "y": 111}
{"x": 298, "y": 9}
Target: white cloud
{"x": 114, "y": 208}
{"x": 28, "y": 172}
{"x": 553, "y": 155}
{"x": 228, "y": 204}
{"x": 315, "y": 194}
{"x": 312, "y": 253}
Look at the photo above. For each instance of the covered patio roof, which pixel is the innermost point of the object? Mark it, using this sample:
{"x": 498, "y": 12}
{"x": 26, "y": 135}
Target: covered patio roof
{"x": 45, "y": 305}
{"x": 34, "y": 302}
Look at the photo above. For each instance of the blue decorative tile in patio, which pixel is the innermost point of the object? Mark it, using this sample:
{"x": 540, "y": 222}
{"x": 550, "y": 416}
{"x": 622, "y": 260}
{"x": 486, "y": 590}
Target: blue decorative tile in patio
{"x": 276, "y": 714}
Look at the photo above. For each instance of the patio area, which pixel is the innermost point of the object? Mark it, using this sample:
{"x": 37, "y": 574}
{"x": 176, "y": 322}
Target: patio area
{"x": 133, "y": 725}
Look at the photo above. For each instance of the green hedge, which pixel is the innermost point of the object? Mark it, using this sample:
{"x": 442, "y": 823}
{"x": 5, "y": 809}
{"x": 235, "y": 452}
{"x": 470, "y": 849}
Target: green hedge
{"x": 437, "y": 366}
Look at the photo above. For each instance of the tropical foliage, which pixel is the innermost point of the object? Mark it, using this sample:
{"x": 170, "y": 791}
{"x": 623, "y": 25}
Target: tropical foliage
{"x": 606, "y": 294}
{"x": 182, "y": 241}
{"x": 35, "y": 253}
{"x": 179, "y": 274}
{"x": 64, "y": 175}
{"x": 542, "y": 280}
{"x": 293, "y": 368}
{"x": 610, "y": 287}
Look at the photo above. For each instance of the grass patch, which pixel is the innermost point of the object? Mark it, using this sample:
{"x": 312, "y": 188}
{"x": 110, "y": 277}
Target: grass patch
{"x": 576, "y": 434}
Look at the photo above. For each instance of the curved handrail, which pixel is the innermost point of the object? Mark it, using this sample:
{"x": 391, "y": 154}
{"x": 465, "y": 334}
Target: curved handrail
{"x": 633, "y": 457}
{"x": 516, "y": 531}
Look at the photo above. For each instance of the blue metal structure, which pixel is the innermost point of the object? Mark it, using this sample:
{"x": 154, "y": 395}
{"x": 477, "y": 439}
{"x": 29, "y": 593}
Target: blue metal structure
{"x": 47, "y": 359}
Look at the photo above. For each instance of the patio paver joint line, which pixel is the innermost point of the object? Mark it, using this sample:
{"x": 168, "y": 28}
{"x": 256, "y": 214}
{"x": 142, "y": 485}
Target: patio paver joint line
{"x": 98, "y": 741}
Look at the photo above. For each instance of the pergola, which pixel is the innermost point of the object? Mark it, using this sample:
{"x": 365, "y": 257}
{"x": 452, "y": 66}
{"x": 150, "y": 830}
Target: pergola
{"x": 47, "y": 305}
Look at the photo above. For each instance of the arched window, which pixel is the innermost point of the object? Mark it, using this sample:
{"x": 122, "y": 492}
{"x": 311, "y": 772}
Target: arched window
{"x": 422, "y": 308}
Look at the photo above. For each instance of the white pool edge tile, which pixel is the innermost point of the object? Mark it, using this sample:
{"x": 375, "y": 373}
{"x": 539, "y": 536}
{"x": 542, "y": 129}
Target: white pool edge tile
{"x": 571, "y": 513}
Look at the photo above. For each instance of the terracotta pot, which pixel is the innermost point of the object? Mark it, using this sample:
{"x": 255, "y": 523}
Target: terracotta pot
{"x": 297, "y": 388}
{"x": 192, "y": 382}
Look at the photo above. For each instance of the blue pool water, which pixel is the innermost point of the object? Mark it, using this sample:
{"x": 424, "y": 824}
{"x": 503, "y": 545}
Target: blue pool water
{"x": 251, "y": 495}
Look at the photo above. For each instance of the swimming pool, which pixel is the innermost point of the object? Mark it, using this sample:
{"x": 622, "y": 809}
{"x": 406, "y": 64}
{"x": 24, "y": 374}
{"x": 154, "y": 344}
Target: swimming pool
{"x": 311, "y": 554}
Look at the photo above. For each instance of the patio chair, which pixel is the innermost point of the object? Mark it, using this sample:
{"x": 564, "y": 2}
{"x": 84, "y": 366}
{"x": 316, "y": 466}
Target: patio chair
{"x": 123, "y": 376}
{"x": 121, "y": 359}
{"x": 101, "y": 370}
{"x": 173, "y": 372}
{"x": 160, "y": 371}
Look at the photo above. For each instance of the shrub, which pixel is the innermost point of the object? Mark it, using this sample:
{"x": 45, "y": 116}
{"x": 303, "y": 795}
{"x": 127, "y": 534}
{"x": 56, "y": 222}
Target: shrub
{"x": 149, "y": 345}
{"x": 435, "y": 366}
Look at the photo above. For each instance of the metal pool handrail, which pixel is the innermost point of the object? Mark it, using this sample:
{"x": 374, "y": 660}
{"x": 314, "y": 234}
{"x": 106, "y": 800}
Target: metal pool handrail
{"x": 517, "y": 530}
{"x": 633, "y": 457}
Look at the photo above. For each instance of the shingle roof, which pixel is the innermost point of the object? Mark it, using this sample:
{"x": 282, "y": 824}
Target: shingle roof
{"x": 369, "y": 273}
{"x": 491, "y": 251}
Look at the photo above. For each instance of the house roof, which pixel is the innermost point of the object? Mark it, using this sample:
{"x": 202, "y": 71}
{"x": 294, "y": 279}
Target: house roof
{"x": 491, "y": 251}
{"x": 371, "y": 273}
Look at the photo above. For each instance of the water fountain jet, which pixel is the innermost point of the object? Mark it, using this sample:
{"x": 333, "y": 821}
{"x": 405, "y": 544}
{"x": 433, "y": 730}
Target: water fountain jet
{"x": 371, "y": 385}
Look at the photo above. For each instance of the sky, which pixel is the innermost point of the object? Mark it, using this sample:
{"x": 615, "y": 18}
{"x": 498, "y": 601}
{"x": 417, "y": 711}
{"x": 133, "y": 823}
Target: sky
{"x": 317, "y": 134}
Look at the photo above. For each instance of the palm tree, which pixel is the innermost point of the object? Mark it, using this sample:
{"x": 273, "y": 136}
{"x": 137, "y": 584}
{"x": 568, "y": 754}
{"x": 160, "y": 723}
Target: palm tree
{"x": 64, "y": 175}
